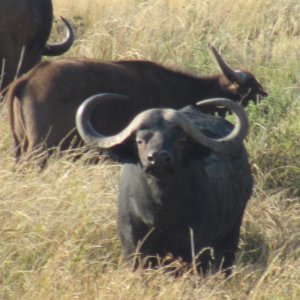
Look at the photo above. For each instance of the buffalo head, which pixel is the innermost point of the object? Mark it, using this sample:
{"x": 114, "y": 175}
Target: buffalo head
{"x": 160, "y": 135}
{"x": 241, "y": 82}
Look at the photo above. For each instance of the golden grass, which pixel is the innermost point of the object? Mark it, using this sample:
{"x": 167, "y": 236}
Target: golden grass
{"x": 175, "y": 31}
{"x": 58, "y": 227}
{"x": 59, "y": 241}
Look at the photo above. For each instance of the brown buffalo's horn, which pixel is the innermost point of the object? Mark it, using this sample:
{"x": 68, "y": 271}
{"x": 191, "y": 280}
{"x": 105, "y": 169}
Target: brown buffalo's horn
{"x": 95, "y": 139}
{"x": 54, "y": 49}
{"x": 233, "y": 75}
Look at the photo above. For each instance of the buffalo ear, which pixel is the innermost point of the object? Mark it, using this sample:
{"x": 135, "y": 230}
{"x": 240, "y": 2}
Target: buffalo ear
{"x": 233, "y": 88}
{"x": 124, "y": 153}
{"x": 195, "y": 151}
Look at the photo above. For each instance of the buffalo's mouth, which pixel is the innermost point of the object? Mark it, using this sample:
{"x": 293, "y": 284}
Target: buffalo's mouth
{"x": 259, "y": 96}
{"x": 159, "y": 170}
{"x": 256, "y": 95}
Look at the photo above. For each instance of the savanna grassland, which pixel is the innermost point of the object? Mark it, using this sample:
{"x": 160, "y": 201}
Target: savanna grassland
{"x": 58, "y": 227}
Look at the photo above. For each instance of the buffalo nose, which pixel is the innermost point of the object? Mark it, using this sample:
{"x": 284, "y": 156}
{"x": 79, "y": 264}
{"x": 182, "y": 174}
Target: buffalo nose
{"x": 159, "y": 157}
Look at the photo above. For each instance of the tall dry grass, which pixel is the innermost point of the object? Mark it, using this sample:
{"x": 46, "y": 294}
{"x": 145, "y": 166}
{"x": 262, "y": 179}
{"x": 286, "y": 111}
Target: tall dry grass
{"x": 175, "y": 31}
{"x": 58, "y": 228}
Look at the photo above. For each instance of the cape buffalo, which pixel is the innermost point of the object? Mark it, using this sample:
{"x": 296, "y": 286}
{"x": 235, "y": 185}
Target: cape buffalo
{"x": 25, "y": 26}
{"x": 43, "y": 103}
{"x": 184, "y": 185}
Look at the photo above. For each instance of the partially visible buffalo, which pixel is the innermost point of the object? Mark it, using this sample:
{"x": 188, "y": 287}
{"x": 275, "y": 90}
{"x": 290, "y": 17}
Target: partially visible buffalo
{"x": 43, "y": 103}
{"x": 185, "y": 181}
{"x": 26, "y": 24}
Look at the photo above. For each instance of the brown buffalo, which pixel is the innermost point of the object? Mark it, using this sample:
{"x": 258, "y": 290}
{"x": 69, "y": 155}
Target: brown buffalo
{"x": 43, "y": 103}
{"x": 25, "y": 27}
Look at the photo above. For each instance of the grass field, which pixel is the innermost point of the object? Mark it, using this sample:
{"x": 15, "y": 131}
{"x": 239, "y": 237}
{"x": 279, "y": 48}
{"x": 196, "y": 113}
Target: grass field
{"x": 58, "y": 227}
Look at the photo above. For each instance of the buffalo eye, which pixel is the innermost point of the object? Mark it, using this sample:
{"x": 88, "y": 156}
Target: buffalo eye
{"x": 139, "y": 141}
{"x": 143, "y": 136}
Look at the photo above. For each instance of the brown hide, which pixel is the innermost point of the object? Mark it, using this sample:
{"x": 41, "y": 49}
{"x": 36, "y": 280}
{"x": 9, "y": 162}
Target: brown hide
{"x": 43, "y": 103}
{"x": 25, "y": 26}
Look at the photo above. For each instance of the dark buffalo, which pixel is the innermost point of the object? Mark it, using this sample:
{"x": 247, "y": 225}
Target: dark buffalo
{"x": 43, "y": 103}
{"x": 185, "y": 181}
{"x": 25, "y": 27}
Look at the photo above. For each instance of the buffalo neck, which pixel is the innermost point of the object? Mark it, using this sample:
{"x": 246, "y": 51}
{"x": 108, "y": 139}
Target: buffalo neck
{"x": 183, "y": 89}
{"x": 156, "y": 199}
{"x": 172, "y": 88}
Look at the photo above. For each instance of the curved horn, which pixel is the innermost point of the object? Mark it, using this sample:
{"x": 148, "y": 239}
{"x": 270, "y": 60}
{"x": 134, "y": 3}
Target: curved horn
{"x": 235, "y": 137}
{"x": 62, "y": 47}
{"x": 84, "y": 126}
{"x": 233, "y": 75}
{"x": 96, "y": 139}
{"x": 239, "y": 132}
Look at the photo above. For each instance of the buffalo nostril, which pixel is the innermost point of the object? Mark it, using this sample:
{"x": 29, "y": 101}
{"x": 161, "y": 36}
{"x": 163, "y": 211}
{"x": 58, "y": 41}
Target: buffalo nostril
{"x": 150, "y": 158}
{"x": 165, "y": 157}
{"x": 161, "y": 157}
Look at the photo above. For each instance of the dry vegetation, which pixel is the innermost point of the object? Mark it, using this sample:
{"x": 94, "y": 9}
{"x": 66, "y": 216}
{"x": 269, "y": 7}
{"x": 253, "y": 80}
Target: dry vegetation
{"x": 58, "y": 228}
